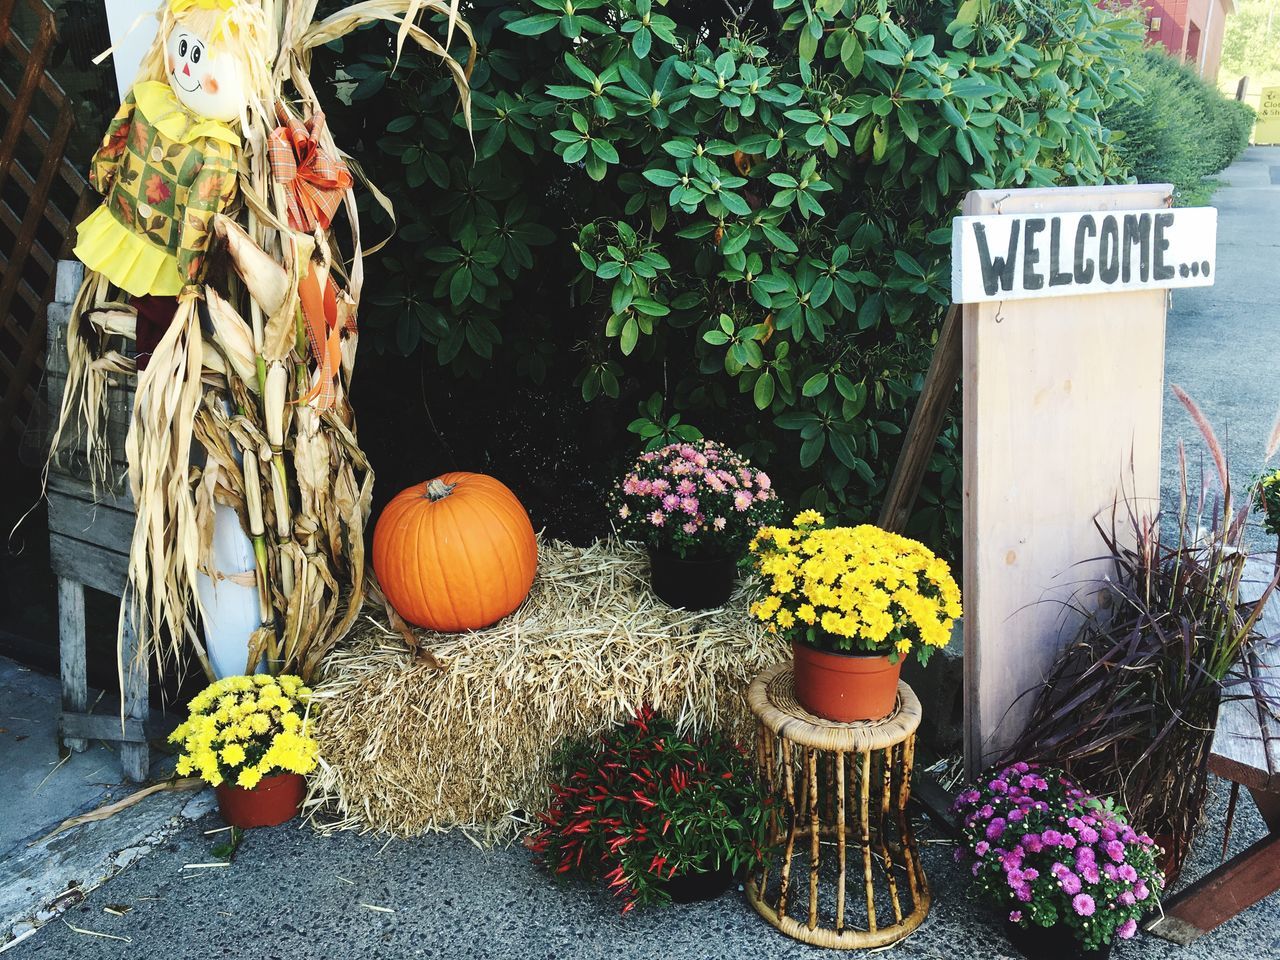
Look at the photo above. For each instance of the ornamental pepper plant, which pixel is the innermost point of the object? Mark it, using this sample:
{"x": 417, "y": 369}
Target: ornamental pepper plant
{"x": 643, "y": 803}
{"x": 1046, "y": 853}
{"x": 696, "y": 499}
{"x": 859, "y": 590}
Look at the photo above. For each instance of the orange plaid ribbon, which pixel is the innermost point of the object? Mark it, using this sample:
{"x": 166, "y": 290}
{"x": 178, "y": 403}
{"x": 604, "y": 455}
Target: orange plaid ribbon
{"x": 325, "y": 325}
{"x": 315, "y": 181}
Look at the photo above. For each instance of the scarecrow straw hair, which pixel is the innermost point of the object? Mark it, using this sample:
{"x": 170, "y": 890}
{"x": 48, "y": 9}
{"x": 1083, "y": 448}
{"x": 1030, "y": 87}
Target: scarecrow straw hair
{"x": 462, "y": 734}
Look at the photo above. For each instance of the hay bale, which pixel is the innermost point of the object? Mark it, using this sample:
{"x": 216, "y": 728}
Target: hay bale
{"x": 407, "y": 746}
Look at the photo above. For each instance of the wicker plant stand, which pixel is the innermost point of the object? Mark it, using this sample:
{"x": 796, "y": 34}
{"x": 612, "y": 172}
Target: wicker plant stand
{"x": 841, "y": 791}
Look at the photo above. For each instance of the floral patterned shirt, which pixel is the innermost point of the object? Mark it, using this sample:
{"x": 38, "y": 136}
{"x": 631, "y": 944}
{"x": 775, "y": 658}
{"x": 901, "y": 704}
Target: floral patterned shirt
{"x": 165, "y": 172}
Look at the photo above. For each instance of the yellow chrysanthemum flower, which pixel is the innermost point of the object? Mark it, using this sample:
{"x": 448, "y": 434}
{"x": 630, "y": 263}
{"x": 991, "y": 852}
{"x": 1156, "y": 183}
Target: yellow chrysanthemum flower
{"x": 240, "y": 715}
{"x": 866, "y": 588}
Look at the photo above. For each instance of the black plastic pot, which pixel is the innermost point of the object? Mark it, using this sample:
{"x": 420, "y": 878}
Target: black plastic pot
{"x": 698, "y": 887}
{"x": 1051, "y": 943}
{"x": 692, "y": 584}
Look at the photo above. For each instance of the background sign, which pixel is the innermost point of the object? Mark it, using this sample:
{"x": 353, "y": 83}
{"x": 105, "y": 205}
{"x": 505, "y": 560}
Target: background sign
{"x": 1020, "y": 256}
{"x": 1267, "y": 129}
{"x": 133, "y": 26}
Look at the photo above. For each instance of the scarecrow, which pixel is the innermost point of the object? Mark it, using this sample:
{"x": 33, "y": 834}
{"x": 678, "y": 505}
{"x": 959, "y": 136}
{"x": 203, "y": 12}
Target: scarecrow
{"x": 250, "y": 488}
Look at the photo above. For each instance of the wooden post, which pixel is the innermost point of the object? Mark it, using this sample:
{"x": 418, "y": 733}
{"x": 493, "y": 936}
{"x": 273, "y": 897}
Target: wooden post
{"x": 134, "y": 702}
{"x": 926, "y": 424}
{"x": 71, "y": 652}
{"x": 1062, "y": 415}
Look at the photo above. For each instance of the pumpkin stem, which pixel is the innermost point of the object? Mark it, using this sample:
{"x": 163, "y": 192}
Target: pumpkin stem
{"x": 437, "y": 489}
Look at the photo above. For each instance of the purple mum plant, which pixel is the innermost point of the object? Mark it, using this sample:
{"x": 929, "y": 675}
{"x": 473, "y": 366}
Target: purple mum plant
{"x": 1049, "y": 854}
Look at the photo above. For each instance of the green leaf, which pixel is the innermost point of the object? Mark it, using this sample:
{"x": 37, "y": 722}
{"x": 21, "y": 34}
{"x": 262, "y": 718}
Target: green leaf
{"x": 887, "y": 57}
{"x": 764, "y": 391}
{"x": 641, "y": 42}
{"x": 816, "y": 384}
{"x": 630, "y": 335}
{"x": 569, "y": 93}
{"x": 908, "y": 263}
{"x": 811, "y": 450}
{"x": 460, "y": 286}
{"x": 734, "y": 203}
{"x": 661, "y": 178}
{"x": 604, "y": 150}
{"x": 851, "y": 54}
{"x": 778, "y": 238}
{"x": 534, "y": 26}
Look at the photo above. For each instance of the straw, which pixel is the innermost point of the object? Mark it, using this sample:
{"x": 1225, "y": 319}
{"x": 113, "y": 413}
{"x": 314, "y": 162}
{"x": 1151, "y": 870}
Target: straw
{"x": 408, "y": 747}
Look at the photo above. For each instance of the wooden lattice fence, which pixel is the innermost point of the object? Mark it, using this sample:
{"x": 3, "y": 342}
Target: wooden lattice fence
{"x": 41, "y": 199}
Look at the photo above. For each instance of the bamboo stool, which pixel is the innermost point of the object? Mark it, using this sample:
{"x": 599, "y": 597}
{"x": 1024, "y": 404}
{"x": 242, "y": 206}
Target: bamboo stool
{"x": 841, "y": 786}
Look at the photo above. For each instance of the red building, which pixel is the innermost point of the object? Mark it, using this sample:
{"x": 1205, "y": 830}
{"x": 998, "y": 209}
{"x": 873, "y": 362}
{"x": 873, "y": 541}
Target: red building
{"x": 1190, "y": 29}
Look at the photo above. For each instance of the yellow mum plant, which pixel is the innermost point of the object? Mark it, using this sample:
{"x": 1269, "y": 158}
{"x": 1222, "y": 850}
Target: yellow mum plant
{"x": 242, "y": 729}
{"x": 853, "y": 589}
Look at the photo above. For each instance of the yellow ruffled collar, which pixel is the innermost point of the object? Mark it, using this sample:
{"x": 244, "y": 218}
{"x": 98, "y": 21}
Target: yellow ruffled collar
{"x": 164, "y": 111}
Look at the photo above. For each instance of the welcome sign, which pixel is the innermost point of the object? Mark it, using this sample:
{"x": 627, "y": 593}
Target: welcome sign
{"x": 1024, "y": 256}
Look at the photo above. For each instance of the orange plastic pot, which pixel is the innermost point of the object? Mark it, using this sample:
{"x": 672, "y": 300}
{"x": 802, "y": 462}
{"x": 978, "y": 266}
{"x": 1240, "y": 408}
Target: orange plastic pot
{"x": 275, "y": 800}
{"x": 845, "y": 687}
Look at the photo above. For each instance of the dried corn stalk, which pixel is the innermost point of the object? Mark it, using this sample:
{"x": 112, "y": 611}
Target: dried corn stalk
{"x": 274, "y": 439}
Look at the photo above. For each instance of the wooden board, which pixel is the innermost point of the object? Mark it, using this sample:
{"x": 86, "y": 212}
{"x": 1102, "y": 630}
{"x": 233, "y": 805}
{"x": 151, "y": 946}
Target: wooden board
{"x": 1246, "y": 743}
{"x": 1062, "y": 403}
{"x": 926, "y": 425}
{"x": 88, "y": 563}
{"x": 73, "y": 664}
{"x": 1070, "y": 254}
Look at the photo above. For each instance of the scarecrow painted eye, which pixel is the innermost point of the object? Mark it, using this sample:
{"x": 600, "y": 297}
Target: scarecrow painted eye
{"x": 195, "y": 53}
{"x": 182, "y": 48}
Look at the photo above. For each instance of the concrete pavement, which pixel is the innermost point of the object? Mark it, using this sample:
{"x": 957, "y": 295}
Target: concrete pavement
{"x": 1223, "y": 342}
{"x": 38, "y": 790}
{"x": 293, "y": 894}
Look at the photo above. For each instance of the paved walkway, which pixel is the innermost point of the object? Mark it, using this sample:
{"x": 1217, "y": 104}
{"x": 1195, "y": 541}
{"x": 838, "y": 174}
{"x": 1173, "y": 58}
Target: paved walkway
{"x": 1223, "y": 343}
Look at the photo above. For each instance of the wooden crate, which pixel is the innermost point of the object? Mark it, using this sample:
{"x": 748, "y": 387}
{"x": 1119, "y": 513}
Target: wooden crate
{"x": 89, "y": 535}
{"x": 71, "y": 458}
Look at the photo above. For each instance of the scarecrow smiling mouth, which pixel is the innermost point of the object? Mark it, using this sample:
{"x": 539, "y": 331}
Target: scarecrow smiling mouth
{"x": 187, "y": 71}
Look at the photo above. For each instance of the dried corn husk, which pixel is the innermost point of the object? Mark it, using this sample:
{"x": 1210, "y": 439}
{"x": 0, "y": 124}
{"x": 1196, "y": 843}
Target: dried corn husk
{"x": 266, "y": 280}
{"x": 233, "y": 337}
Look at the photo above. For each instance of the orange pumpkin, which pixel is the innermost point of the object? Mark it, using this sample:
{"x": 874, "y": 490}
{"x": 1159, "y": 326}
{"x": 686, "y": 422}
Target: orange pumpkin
{"x": 456, "y": 553}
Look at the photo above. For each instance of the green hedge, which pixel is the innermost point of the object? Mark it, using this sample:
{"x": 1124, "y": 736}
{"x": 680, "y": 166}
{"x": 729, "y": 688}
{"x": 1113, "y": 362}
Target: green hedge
{"x": 1182, "y": 130}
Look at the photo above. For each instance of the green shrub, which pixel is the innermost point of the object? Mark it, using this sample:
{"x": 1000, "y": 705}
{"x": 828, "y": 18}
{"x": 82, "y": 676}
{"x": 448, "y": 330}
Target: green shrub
{"x": 751, "y": 218}
{"x": 1181, "y": 130}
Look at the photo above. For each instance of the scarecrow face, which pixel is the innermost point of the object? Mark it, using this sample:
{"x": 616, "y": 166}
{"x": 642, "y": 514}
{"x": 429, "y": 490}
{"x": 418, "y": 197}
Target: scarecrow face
{"x": 205, "y": 80}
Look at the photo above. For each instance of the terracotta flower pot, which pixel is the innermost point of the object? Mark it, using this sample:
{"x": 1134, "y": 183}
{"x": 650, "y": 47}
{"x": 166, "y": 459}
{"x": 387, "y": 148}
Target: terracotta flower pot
{"x": 845, "y": 687}
{"x": 275, "y": 800}
{"x": 692, "y": 584}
